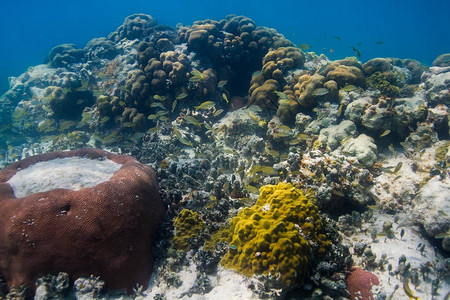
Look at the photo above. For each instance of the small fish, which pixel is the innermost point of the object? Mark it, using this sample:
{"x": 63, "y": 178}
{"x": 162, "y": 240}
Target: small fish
{"x": 320, "y": 92}
{"x": 196, "y": 76}
{"x": 162, "y": 113}
{"x": 373, "y": 207}
{"x": 304, "y": 46}
{"x": 217, "y": 112}
{"x": 331, "y": 50}
{"x": 348, "y": 88}
{"x": 337, "y": 37}
{"x": 299, "y": 138}
{"x": 195, "y": 79}
{"x": 224, "y": 96}
{"x": 181, "y": 96}
{"x": 408, "y": 291}
{"x": 157, "y": 104}
{"x": 391, "y": 148}
{"x": 283, "y": 131}
{"x": 184, "y": 141}
{"x": 232, "y": 247}
{"x": 222, "y": 83}
{"x": 398, "y": 167}
{"x": 174, "y": 104}
{"x": 339, "y": 111}
{"x": 207, "y": 126}
{"x": 122, "y": 103}
{"x": 380, "y": 42}
{"x": 358, "y": 54}
{"x": 152, "y": 117}
{"x": 19, "y": 114}
{"x": 205, "y": 105}
{"x": 163, "y": 118}
{"x": 196, "y": 73}
{"x": 159, "y": 98}
{"x": 385, "y": 133}
{"x": 442, "y": 235}
{"x": 128, "y": 125}
{"x": 282, "y": 95}
{"x": 192, "y": 120}
{"x": 104, "y": 119}
{"x": 251, "y": 189}
{"x": 359, "y": 44}
{"x": 256, "y": 73}
{"x": 153, "y": 130}
{"x": 80, "y": 101}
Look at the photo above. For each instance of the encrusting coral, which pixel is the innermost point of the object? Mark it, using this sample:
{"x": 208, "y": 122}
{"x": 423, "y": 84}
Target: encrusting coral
{"x": 276, "y": 236}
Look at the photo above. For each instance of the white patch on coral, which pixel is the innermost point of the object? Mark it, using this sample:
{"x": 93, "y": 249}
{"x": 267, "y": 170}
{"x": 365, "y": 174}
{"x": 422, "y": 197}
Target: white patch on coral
{"x": 72, "y": 173}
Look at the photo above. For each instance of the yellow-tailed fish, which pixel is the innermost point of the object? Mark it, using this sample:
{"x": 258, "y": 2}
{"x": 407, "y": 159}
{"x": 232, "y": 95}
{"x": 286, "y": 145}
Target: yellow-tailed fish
{"x": 157, "y": 104}
{"x": 162, "y": 112}
{"x": 163, "y": 118}
{"x": 182, "y": 96}
{"x": 408, "y": 291}
{"x": 339, "y": 111}
{"x": 152, "y": 117}
{"x": 192, "y": 120}
{"x": 104, "y": 119}
{"x": 348, "y": 88}
{"x": 159, "y": 98}
{"x": 222, "y": 83}
{"x": 385, "y": 133}
{"x": 184, "y": 141}
{"x": 398, "y": 167}
{"x": 218, "y": 112}
{"x": 205, "y": 105}
{"x": 174, "y": 104}
{"x": 282, "y": 96}
{"x": 304, "y": 46}
{"x": 224, "y": 96}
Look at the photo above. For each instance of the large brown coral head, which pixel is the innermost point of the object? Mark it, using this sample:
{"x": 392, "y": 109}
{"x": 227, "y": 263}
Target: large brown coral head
{"x": 81, "y": 212}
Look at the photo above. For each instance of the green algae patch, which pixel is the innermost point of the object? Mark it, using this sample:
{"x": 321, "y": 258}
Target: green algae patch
{"x": 382, "y": 83}
{"x": 277, "y": 236}
{"x": 189, "y": 226}
{"x": 441, "y": 154}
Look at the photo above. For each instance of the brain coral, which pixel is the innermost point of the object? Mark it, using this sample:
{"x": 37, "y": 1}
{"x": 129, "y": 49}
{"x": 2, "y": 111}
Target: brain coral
{"x": 104, "y": 228}
{"x": 275, "y": 236}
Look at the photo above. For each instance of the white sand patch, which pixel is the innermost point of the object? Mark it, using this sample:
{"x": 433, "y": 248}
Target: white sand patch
{"x": 227, "y": 284}
{"x": 67, "y": 173}
{"x": 409, "y": 246}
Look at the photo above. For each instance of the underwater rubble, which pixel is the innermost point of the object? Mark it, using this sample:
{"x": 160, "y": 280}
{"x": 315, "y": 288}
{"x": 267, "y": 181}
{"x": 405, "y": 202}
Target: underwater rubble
{"x": 236, "y": 121}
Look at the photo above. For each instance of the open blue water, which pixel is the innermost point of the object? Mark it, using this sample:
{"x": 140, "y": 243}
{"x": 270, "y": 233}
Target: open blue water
{"x": 418, "y": 29}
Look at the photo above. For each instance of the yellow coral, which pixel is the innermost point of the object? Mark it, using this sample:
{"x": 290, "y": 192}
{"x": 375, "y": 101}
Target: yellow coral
{"x": 188, "y": 225}
{"x": 276, "y": 236}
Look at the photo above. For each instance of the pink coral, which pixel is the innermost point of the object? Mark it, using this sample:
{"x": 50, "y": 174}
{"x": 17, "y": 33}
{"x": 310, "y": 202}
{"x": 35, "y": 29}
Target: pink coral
{"x": 359, "y": 284}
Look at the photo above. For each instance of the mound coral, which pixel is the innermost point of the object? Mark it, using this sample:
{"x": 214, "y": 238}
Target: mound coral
{"x": 276, "y": 236}
{"x": 359, "y": 284}
{"x": 347, "y": 71}
{"x": 82, "y": 212}
{"x": 188, "y": 225}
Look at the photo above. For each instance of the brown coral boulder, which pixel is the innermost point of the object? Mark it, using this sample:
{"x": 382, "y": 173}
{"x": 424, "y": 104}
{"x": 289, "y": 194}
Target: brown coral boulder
{"x": 82, "y": 212}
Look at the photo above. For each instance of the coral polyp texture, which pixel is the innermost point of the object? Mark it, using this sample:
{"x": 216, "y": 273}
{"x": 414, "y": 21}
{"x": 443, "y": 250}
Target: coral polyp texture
{"x": 276, "y": 236}
{"x": 82, "y": 212}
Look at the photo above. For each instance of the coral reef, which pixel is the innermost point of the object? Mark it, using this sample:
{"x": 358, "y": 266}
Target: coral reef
{"x": 61, "y": 228}
{"x": 219, "y": 109}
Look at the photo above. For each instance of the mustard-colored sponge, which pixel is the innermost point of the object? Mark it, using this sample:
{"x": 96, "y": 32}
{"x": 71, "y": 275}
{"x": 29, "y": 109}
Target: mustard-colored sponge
{"x": 277, "y": 236}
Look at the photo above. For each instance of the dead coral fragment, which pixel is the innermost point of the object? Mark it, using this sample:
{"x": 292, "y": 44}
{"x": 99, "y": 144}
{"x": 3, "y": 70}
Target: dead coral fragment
{"x": 274, "y": 236}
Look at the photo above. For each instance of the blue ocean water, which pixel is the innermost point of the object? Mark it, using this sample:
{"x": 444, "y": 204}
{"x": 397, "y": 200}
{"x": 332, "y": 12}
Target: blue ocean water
{"x": 414, "y": 29}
